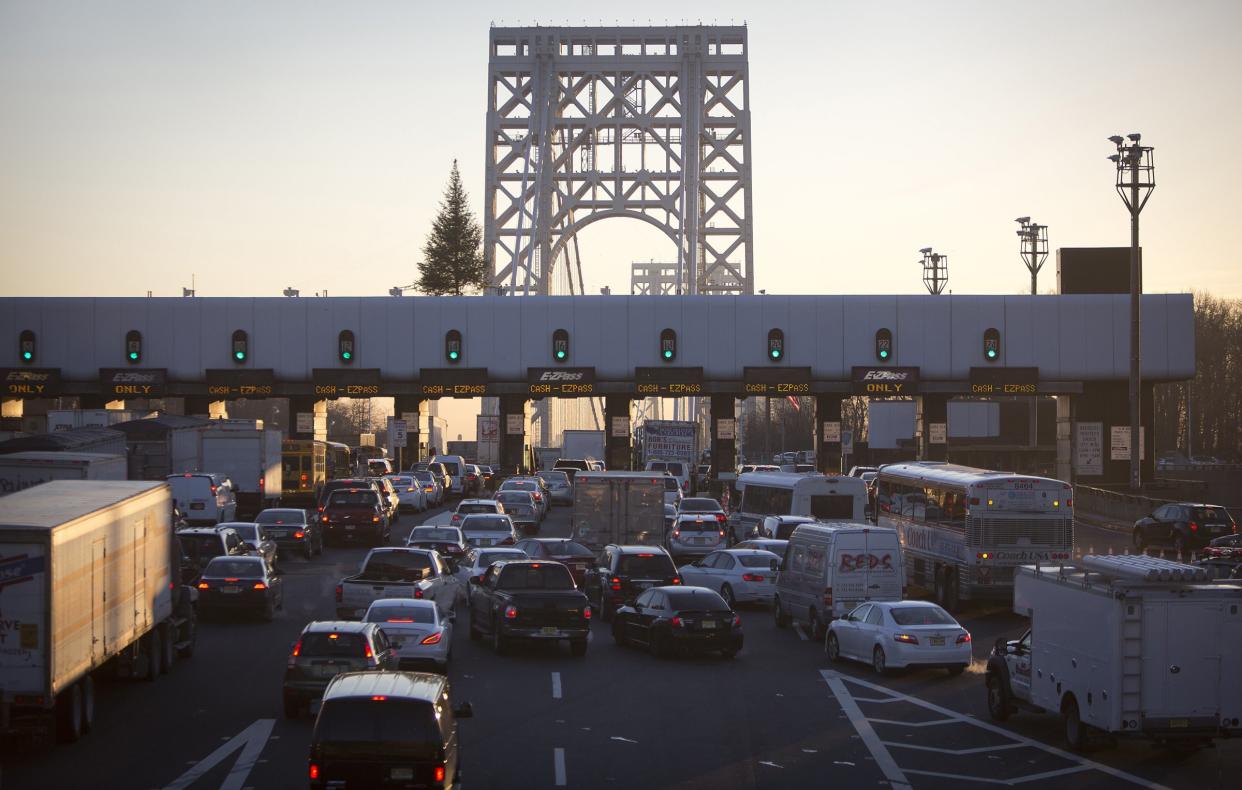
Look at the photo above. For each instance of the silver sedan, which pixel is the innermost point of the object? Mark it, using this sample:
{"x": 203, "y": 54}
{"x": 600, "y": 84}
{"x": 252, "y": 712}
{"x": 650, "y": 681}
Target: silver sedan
{"x": 418, "y": 633}
{"x": 739, "y": 575}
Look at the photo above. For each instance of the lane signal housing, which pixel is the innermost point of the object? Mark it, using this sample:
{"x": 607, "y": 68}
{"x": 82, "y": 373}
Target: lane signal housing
{"x": 452, "y": 346}
{"x": 668, "y": 345}
{"x": 884, "y": 345}
{"x": 133, "y": 346}
{"x": 241, "y": 346}
{"x": 776, "y": 345}
{"x": 346, "y": 347}
{"x": 991, "y": 345}
{"x": 26, "y": 350}
{"x": 560, "y": 345}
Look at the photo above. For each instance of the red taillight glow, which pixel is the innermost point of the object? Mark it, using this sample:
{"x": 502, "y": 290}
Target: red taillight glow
{"x": 374, "y": 519}
{"x": 737, "y": 621}
{"x": 752, "y": 577}
{"x": 202, "y": 585}
{"x": 418, "y": 593}
{"x": 1194, "y": 527}
{"x": 439, "y": 773}
{"x": 325, "y": 519}
{"x": 379, "y": 698}
{"x": 434, "y": 639}
{"x": 909, "y": 639}
{"x": 339, "y": 592}
{"x": 299, "y": 535}
{"x": 260, "y": 586}
{"x": 721, "y": 518}
{"x": 586, "y": 613}
{"x": 314, "y": 771}
{"x": 963, "y": 638}
{"x": 366, "y": 650}
{"x": 399, "y": 620}
{"x": 675, "y": 622}
{"x": 304, "y": 478}
{"x": 510, "y": 612}
{"x": 676, "y": 580}
{"x": 297, "y": 648}
{"x": 615, "y": 583}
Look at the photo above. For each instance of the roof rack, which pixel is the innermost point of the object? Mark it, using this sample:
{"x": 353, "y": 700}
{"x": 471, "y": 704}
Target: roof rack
{"x": 1143, "y": 568}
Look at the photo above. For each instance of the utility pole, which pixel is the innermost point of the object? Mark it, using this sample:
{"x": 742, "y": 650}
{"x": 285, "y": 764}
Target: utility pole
{"x": 1033, "y": 247}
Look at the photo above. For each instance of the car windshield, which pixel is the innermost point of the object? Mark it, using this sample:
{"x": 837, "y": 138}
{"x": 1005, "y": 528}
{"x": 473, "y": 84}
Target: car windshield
{"x": 424, "y": 476}
{"x": 434, "y": 533}
{"x": 334, "y": 644}
{"x": 654, "y": 564}
{"x": 699, "y": 505}
{"x": 281, "y": 517}
{"x": 202, "y": 545}
{"x": 554, "y": 477}
{"x": 354, "y": 497}
{"x": 698, "y": 525}
{"x": 450, "y": 468}
{"x": 401, "y": 614}
{"x": 676, "y": 469}
{"x": 487, "y": 524}
{"x": 402, "y": 481}
{"x": 696, "y": 600}
{"x": 1209, "y": 514}
{"x": 537, "y": 576}
{"x": 921, "y": 615}
{"x": 488, "y": 557}
{"x": 247, "y": 531}
{"x": 758, "y": 560}
{"x": 670, "y": 483}
{"x": 397, "y": 566}
{"x": 466, "y": 508}
{"x": 566, "y": 548}
{"x": 518, "y": 485}
{"x": 232, "y": 567}
{"x": 382, "y": 726}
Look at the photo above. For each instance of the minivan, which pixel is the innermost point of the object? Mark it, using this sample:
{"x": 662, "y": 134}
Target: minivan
{"x": 204, "y": 498}
{"x": 831, "y": 567}
{"x": 455, "y": 468}
{"x": 678, "y": 469}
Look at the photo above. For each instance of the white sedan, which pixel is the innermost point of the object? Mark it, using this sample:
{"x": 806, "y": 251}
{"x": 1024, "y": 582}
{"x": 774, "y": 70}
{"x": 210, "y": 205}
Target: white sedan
{"x": 410, "y": 493}
{"x": 900, "y": 635}
{"x": 418, "y": 633}
{"x": 477, "y": 561}
{"x": 739, "y": 575}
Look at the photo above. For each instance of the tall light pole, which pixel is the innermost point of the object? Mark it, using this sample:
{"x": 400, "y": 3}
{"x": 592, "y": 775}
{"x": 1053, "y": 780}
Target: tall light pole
{"x": 935, "y": 271}
{"x": 1136, "y": 179}
{"x": 1033, "y": 247}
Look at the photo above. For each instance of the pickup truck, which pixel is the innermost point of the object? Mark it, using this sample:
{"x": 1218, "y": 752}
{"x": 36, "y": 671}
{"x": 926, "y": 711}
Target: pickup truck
{"x": 529, "y": 600}
{"x": 394, "y": 572}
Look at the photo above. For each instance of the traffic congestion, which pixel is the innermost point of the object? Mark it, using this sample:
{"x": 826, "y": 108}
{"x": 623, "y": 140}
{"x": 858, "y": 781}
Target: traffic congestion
{"x": 487, "y": 633}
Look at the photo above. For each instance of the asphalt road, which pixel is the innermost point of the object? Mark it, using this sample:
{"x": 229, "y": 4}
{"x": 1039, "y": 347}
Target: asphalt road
{"x": 777, "y": 716}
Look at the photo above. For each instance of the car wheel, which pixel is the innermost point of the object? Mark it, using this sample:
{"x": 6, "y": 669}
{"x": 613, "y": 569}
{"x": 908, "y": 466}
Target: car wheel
{"x": 879, "y": 662}
{"x": 69, "y": 714}
{"x": 833, "y": 648}
{"x": 781, "y": 616}
{"x": 998, "y": 698}
{"x": 726, "y": 592}
{"x": 1075, "y": 730}
{"x": 88, "y": 703}
{"x": 578, "y": 647}
{"x": 814, "y": 627}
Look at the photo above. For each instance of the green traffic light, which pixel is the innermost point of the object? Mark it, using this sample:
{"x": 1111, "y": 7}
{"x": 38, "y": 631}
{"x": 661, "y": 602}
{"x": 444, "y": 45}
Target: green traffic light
{"x": 133, "y": 355}
{"x": 668, "y": 354}
{"x": 991, "y": 353}
{"x": 883, "y": 355}
{"x": 240, "y": 355}
{"x": 26, "y": 355}
{"x": 560, "y": 354}
{"x": 776, "y": 353}
{"x": 452, "y": 355}
{"x": 346, "y": 355}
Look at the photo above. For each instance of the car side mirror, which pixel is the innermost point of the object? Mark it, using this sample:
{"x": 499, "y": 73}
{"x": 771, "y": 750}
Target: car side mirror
{"x": 774, "y": 565}
{"x": 476, "y": 580}
{"x": 464, "y": 711}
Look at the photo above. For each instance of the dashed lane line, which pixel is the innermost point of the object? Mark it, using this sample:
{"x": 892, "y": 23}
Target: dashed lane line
{"x": 558, "y": 765}
{"x": 556, "y": 685}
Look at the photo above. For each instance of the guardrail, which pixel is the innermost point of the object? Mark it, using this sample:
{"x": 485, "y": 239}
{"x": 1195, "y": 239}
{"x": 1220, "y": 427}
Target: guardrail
{"x": 1114, "y": 505}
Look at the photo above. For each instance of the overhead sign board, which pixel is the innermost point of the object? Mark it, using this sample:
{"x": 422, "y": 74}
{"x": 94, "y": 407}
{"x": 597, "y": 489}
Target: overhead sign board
{"x": 880, "y": 382}
{"x": 123, "y": 383}
{"x": 31, "y": 382}
{"x": 668, "y": 381}
{"x": 453, "y": 382}
{"x": 233, "y": 383}
{"x": 777, "y": 381}
{"x": 1004, "y": 381}
{"x": 346, "y": 382}
{"x": 561, "y": 381}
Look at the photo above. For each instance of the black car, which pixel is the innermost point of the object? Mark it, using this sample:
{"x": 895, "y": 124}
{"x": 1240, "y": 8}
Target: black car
{"x": 1183, "y": 525}
{"x": 669, "y": 620}
{"x": 199, "y": 545}
{"x": 625, "y": 572}
{"x": 326, "y": 649}
{"x": 240, "y": 584}
{"x": 387, "y": 729}
{"x": 524, "y": 600}
{"x": 294, "y": 531}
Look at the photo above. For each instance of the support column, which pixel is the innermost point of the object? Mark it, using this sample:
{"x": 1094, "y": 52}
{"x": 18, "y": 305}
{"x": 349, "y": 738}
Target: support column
{"x": 95, "y": 402}
{"x": 308, "y": 418}
{"x": 206, "y": 406}
{"x": 933, "y": 427}
{"x": 828, "y": 433}
{"x": 512, "y": 444}
{"x": 1103, "y": 406}
{"x": 410, "y": 409}
{"x": 618, "y": 454}
{"x": 724, "y": 448}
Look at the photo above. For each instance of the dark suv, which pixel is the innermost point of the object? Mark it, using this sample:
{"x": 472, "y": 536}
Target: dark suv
{"x": 387, "y": 729}
{"x": 1183, "y": 525}
{"x": 201, "y": 544}
{"x": 327, "y": 648}
{"x": 623, "y": 572}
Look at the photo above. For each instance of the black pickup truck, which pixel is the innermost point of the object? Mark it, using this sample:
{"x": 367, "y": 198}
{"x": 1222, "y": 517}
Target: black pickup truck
{"x": 525, "y": 599}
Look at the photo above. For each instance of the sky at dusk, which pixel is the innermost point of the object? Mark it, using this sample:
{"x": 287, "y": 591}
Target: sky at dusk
{"x": 259, "y": 145}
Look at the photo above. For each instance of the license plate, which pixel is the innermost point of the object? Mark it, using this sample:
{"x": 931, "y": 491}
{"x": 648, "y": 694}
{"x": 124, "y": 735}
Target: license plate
{"x": 642, "y": 585}
{"x": 402, "y": 773}
{"x": 552, "y": 630}
{"x": 1179, "y": 722}
{"x": 230, "y": 589}
{"x": 708, "y": 624}
{"x": 197, "y": 506}
{"x": 937, "y": 641}
{"x": 278, "y": 533}
{"x": 349, "y": 527}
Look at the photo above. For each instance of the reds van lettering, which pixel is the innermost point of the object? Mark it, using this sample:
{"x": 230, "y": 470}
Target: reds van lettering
{"x": 869, "y": 562}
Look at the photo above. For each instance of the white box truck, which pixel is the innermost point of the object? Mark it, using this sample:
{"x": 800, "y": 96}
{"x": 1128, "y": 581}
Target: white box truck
{"x": 1124, "y": 646}
{"x": 249, "y": 455}
{"x": 586, "y": 445}
{"x": 19, "y": 471}
{"x": 618, "y": 507}
{"x": 89, "y": 576}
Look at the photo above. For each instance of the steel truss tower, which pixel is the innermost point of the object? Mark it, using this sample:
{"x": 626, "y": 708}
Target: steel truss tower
{"x": 585, "y": 123}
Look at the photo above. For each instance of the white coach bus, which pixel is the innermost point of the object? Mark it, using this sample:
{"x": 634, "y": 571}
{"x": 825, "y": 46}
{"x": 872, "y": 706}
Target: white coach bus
{"x": 964, "y": 530}
{"x": 790, "y": 494}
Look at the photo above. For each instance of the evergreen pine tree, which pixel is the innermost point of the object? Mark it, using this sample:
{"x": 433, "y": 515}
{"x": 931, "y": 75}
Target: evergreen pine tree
{"x": 453, "y": 262}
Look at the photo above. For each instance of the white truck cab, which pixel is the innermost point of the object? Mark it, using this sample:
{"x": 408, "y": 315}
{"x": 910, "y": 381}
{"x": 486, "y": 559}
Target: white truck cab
{"x": 1128, "y": 646}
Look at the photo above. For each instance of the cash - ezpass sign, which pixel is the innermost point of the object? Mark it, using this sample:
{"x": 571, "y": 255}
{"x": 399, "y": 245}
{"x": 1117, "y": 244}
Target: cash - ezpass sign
{"x": 237, "y": 383}
{"x": 668, "y": 381}
{"x": 561, "y": 381}
{"x": 453, "y": 382}
{"x": 346, "y": 383}
{"x": 777, "y": 381}
{"x": 885, "y": 381}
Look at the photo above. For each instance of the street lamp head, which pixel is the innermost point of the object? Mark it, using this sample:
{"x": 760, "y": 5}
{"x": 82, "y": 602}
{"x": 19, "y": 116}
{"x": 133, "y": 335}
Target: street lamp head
{"x": 925, "y": 250}
{"x": 1134, "y": 137}
{"x": 1114, "y": 158}
{"x": 1116, "y": 139}
{"x": 1022, "y": 220}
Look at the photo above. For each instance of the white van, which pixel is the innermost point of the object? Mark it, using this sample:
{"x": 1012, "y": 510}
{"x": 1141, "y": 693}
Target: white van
{"x": 204, "y": 498}
{"x": 831, "y": 567}
{"x": 455, "y": 468}
{"x": 678, "y": 469}
{"x": 822, "y": 498}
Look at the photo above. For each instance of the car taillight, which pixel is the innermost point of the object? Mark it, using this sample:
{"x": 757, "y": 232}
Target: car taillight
{"x": 339, "y": 592}
{"x": 434, "y": 639}
{"x": 615, "y": 583}
{"x": 963, "y": 638}
{"x": 202, "y": 585}
{"x": 510, "y": 612}
{"x": 737, "y": 621}
{"x": 1194, "y": 527}
{"x": 722, "y": 533}
{"x": 418, "y": 592}
{"x": 538, "y": 497}
{"x": 827, "y": 596}
{"x": 677, "y": 533}
{"x": 374, "y": 519}
{"x": 297, "y": 648}
{"x": 366, "y": 650}
{"x": 299, "y": 535}
{"x": 325, "y": 518}
{"x": 909, "y": 639}
{"x": 303, "y": 478}
{"x": 260, "y": 586}
{"x": 586, "y": 613}
{"x": 439, "y": 773}
{"x": 676, "y": 580}
{"x": 1235, "y": 527}
{"x": 720, "y": 517}
{"x": 751, "y": 577}
{"x": 675, "y": 622}
{"x": 314, "y": 771}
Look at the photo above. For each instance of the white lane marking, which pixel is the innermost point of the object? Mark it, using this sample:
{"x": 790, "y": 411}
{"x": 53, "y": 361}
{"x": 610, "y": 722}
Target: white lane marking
{"x": 251, "y": 742}
{"x": 1013, "y": 736}
{"x": 801, "y": 634}
{"x": 932, "y": 723}
{"x": 843, "y": 762}
{"x": 976, "y": 750}
{"x": 558, "y": 765}
{"x": 884, "y": 760}
{"x": 770, "y": 764}
{"x": 625, "y": 740}
{"x": 556, "y": 685}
